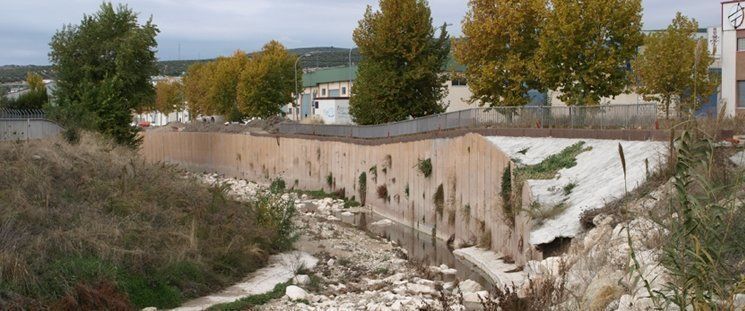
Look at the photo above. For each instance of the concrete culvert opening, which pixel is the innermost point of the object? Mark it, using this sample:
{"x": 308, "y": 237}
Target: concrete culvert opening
{"x": 555, "y": 248}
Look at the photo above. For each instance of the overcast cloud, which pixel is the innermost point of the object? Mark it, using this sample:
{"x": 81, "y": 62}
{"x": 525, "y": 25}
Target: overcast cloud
{"x": 207, "y": 28}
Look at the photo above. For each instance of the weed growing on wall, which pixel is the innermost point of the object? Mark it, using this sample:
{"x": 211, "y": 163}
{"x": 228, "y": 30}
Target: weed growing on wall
{"x": 330, "y": 180}
{"x": 374, "y": 173}
{"x": 278, "y": 185}
{"x": 383, "y": 193}
{"x": 425, "y": 167}
{"x": 439, "y": 200}
{"x": 362, "y": 182}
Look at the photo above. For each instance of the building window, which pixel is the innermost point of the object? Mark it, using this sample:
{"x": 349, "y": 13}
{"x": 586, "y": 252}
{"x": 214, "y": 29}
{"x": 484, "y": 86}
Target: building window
{"x": 740, "y": 94}
{"x": 459, "y": 82}
{"x": 343, "y": 90}
{"x": 315, "y": 105}
{"x": 323, "y": 92}
{"x": 741, "y": 44}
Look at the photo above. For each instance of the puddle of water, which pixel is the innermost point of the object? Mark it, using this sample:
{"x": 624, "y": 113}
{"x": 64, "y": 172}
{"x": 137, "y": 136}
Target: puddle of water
{"x": 421, "y": 247}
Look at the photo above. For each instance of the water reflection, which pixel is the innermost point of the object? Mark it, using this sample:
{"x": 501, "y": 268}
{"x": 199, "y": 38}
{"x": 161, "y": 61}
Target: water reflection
{"x": 421, "y": 247}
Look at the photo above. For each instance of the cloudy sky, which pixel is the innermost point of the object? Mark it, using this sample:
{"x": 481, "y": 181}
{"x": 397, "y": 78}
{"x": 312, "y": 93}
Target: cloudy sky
{"x": 207, "y": 28}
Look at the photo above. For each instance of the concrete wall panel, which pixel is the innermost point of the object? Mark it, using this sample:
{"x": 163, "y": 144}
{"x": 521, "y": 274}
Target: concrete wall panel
{"x": 468, "y": 167}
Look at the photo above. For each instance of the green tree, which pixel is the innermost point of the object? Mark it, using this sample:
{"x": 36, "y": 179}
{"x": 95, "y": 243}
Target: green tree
{"x": 35, "y": 98}
{"x": 500, "y": 38}
{"x": 585, "y": 47}
{"x": 103, "y": 68}
{"x": 267, "y": 81}
{"x": 665, "y": 69}
{"x": 169, "y": 96}
{"x": 399, "y": 75}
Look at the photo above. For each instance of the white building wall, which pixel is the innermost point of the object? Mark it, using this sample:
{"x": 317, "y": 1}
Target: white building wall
{"x": 729, "y": 61}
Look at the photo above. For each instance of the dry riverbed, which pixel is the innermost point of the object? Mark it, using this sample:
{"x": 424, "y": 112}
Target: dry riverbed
{"x": 356, "y": 270}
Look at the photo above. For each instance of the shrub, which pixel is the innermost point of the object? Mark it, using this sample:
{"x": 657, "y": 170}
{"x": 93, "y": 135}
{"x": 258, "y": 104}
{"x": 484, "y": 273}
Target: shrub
{"x": 374, "y": 173}
{"x": 383, "y": 192}
{"x": 330, "y": 180}
{"x": 548, "y": 168}
{"x": 425, "y": 167}
{"x": 362, "y": 182}
{"x": 406, "y": 191}
{"x": 439, "y": 200}
{"x": 704, "y": 249}
{"x": 278, "y": 185}
{"x": 506, "y": 192}
{"x": 568, "y": 188}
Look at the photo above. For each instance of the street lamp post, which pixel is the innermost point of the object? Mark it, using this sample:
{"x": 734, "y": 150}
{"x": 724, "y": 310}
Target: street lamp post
{"x": 297, "y": 94}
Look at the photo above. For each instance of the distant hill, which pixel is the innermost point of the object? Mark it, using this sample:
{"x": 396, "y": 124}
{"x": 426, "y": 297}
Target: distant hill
{"x": 320, "y": 57}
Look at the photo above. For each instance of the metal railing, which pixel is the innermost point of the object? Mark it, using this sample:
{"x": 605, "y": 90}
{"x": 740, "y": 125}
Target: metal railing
{"x": 16, "y": 114}
{"x": 635, "y": 116}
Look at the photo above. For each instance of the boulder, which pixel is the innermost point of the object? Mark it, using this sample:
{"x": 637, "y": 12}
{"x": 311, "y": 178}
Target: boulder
{"x": 469, "y": 286}
{"x": 603, "y": 290}
{"x": 296, "y": 293}
{"x": 301, "y": 279}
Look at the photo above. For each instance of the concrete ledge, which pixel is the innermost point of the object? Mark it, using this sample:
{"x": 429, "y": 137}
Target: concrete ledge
{"x": 501, "y": 273}
{"x": 620, "y": 134}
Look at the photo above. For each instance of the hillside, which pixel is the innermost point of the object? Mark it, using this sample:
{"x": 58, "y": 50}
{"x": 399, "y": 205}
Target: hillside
{"x": 322, "y": 57}
{"x": 93, "y": 227}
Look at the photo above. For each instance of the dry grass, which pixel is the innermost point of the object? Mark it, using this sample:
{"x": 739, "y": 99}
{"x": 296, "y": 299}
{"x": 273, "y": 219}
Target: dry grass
{"x": 75, "y": 217}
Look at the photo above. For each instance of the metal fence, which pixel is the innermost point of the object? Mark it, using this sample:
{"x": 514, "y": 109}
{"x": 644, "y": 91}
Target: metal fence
{"x": 15, "y": 114}
{"x": 636, "y": 116}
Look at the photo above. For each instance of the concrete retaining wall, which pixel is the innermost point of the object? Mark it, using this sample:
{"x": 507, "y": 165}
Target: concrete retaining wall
{"x": 13, "y": 129}
{"x": 468, "y": 167}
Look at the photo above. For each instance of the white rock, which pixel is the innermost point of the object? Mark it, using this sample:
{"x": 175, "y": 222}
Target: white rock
{"x": 301, "y": 279}
{"x": 295, "y": 293}
{"x": 382, "y": 223}
{"x": 330, "y": 262}
{"x": 332, "y": 218}
{"x": 347, "y": 214}
{"x": 469, "y": 286}
{"x": 150, "y": 309}
{"x": 416, "y": 289}
{"x": 396, "y": 306}
{"x": 739, "y": 158}
{"x": 474, "y": 297}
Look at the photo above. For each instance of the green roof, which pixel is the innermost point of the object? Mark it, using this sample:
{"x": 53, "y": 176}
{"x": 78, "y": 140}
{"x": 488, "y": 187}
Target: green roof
{"x": 340, "y": 74}
{"x": 328, "y": 75}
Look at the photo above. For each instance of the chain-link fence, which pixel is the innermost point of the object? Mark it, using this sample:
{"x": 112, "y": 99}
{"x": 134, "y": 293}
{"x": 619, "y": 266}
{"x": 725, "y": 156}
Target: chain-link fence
{"x": 16, "y": 114}
{"x": 636, "y": 116}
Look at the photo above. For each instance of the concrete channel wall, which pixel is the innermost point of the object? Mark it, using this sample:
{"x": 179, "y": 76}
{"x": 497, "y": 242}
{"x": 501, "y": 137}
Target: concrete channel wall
{"x": 468, "y": 167}
{"x": 25, "y": 129}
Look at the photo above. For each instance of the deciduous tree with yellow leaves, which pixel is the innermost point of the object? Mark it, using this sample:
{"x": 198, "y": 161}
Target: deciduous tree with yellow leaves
{"x": 267, "y": 81}
{"x": 169, "y": 96}
{"x": 500, "y": 38}
{"x": 585, "y": 47}
{"x": 674, "y": 66}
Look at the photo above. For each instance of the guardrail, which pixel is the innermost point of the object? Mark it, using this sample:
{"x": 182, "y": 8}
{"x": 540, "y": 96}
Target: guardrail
{"x": 24, "y": 114}
{"x": 636, "y": 116}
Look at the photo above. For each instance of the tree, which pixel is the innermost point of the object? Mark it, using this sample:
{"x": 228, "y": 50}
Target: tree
{"x": 211, "y": 88}
{"x": 500, "y": 39}
{"x": 169, "y": 96}
{"x": 399, "y": 75}
{"x": 665, "y": 69}
{"x": 103, "y": 68}
{"x": 35, "y": 98}
{"x": 585, "y": 48}
{"x": 267, "y": 81}
{"x": 196, "y": 89}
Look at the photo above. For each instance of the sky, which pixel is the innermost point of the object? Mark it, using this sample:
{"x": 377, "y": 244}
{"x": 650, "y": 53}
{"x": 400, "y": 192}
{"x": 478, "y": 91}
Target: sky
{"x": 197, "y": 29}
